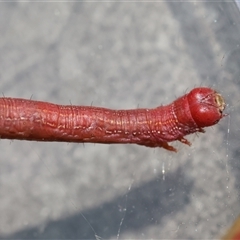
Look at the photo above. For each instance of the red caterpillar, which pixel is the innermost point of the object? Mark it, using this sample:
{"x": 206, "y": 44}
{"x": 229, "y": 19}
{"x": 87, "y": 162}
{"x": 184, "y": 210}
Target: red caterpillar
{"x": 41, "y": 121}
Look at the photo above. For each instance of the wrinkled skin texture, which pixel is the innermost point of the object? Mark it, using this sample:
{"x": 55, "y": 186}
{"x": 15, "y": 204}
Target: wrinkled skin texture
{"x": 41, "y": 121}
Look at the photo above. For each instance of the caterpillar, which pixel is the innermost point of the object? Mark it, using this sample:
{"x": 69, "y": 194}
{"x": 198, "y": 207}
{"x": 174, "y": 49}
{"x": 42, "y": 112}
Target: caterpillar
{"x": 24, "y": 119}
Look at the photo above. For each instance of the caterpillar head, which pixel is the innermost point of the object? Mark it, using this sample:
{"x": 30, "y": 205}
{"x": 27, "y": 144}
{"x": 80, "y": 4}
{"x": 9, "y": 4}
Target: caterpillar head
{"x": 206, "y": 106}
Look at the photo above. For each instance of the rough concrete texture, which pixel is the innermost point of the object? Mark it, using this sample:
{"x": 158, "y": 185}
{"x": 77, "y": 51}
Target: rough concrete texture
{"x": 120, "y": 55}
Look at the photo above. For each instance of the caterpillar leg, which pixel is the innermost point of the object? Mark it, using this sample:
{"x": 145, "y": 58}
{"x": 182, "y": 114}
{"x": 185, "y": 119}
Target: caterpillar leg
{"x": 164, "y": 145}
{"x": 201, "y": 130}
{"x": 185, "y": 141}
{"x": 168, "y": 147}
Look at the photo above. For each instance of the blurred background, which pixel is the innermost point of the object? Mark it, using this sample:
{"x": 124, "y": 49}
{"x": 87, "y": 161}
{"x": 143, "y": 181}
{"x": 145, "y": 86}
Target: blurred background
{"x": 120, "y": 55}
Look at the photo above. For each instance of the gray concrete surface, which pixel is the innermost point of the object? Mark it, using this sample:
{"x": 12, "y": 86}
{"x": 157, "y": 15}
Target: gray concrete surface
{"x": 120, "y": 55}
